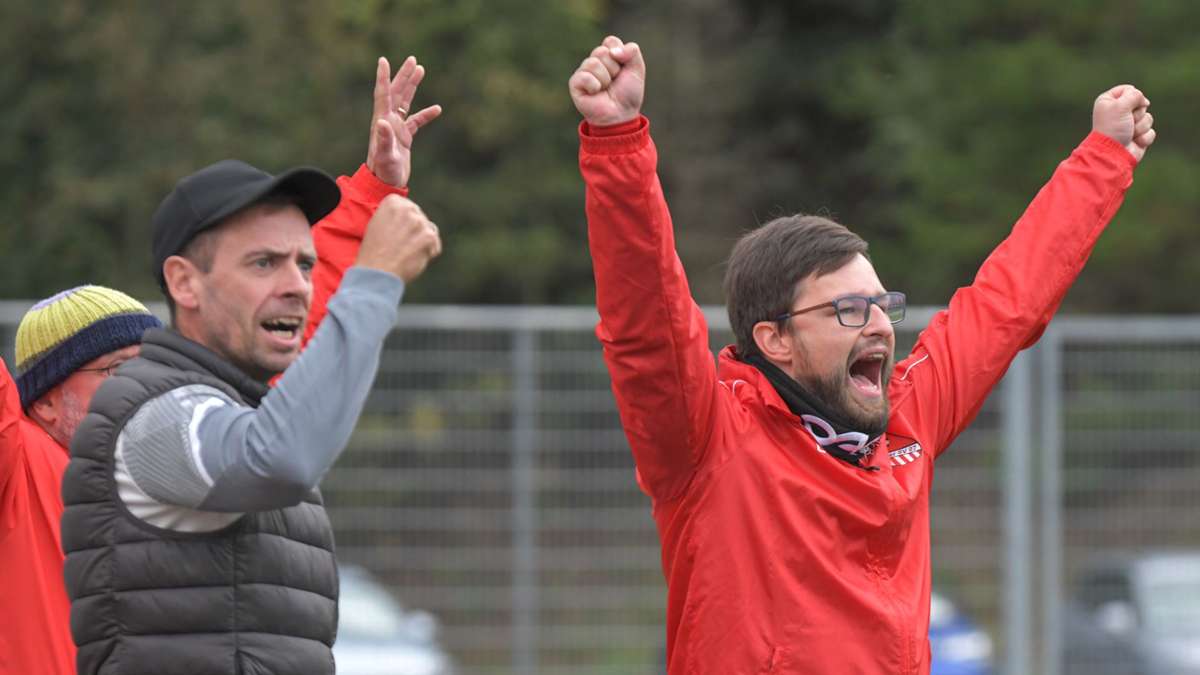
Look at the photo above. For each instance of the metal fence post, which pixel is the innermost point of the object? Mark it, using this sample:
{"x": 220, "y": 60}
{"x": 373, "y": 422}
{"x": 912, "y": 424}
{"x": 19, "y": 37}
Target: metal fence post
{"x": 1050, "y": 494}
{"x": 1018, "y": 514}
{"x": 1050, "y": 455}
{"x": 524, "y": 503}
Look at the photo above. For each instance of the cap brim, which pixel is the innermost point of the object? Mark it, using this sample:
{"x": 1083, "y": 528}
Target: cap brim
{"x": 310, "y": 189}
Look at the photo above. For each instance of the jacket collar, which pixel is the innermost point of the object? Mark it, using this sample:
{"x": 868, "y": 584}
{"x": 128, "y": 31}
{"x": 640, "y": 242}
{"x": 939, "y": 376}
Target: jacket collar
{"x": 168, "y": 347}
{"x": 730, "y": 367}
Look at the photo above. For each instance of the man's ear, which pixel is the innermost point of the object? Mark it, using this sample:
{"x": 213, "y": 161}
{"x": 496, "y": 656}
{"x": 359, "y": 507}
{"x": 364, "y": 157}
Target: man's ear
{"x": 774, "y": 341}
{"x": 183, "y": 281}
{"x": 47, "y": 409}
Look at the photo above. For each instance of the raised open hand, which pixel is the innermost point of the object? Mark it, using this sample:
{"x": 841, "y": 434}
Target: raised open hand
{"x": 393, "y": 126}
{"x": 609, "y": 85}
{"x": 1120, "y": 113}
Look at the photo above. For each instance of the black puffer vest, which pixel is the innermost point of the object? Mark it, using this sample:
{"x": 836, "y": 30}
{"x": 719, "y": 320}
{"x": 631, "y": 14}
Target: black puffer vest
{"x": 258, "y": 597}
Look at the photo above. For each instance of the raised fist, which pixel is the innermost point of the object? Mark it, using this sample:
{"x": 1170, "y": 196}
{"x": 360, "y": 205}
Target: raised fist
{"x": 609, "y": 85}
{"x": 399, "y": 239}
{"x": 1120, "y": 113}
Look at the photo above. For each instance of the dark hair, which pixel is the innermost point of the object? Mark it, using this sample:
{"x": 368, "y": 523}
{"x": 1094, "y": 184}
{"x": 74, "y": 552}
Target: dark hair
{"x": 767, "y": 265}
{"x": 203, "y": 247}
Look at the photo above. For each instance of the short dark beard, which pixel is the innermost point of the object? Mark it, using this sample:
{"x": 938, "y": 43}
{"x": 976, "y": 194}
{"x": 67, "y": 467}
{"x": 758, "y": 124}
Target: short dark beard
{"x": 836, "y": 401}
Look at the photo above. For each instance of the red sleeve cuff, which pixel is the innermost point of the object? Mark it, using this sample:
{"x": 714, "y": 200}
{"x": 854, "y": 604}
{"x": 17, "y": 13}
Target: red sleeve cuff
{"x": 615, "y": 139}
{"x": 616, "y": 129}
{"x": 1105, "y": 144}
{"x": 367, "y": 187}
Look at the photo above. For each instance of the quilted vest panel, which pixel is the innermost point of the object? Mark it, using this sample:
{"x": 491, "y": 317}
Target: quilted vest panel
{"x": 258, "y": 597}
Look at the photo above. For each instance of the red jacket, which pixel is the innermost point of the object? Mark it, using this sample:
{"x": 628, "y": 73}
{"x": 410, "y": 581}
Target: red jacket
{"x": 338, "y": 237}
{"x": 778, "y": 557}
{"x": 35, "y": 631}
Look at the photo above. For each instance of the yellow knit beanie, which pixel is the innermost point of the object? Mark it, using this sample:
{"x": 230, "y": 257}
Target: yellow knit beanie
{"x": 65, "y": 331}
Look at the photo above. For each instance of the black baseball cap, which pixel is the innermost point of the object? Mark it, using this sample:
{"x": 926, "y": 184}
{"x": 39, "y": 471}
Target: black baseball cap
{"x": 212, "y": 194}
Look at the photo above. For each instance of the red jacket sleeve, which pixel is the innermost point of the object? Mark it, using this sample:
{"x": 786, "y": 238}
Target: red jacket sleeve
{"x": 12, "y": 443}
{"x": 967, "y": 348}
{"x": 339, "y": 235}
{"x": 654, "y": 336}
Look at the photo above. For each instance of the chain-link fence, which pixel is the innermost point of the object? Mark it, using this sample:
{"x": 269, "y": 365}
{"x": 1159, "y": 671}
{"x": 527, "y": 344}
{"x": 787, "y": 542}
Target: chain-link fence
{"x": 489, "y": 483}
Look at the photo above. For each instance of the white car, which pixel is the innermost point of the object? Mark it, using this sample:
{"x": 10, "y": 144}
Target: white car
{"x": 378, "y": 636}
{"x": 1136, "y": 613}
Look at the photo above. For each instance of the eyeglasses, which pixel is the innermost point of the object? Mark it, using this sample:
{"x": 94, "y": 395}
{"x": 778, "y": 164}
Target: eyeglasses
{"x": 854, "y": 311}
{"x": 105, "y": 371}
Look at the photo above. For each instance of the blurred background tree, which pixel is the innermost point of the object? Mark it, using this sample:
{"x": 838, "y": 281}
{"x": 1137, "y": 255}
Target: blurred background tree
{"x": 925, "y": 126}
{"x": 110, "y": 104}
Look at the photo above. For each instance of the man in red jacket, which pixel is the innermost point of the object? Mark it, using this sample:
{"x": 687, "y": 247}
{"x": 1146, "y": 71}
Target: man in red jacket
{"x": 66, "y": 346}
{"x": 790, "y": 483}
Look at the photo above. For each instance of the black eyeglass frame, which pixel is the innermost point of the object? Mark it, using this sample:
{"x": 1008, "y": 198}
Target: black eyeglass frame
{"x": 893, "y": 298}
{"x": 107, "y": 370}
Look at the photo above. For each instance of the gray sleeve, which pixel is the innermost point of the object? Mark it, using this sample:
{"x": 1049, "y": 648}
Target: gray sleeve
{"x": 273, "y": 456}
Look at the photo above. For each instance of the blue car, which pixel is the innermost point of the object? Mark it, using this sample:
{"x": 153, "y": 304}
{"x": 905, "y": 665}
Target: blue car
{"x": 959, "y": 646}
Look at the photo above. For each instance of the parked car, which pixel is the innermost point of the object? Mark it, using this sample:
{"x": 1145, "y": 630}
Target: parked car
{"x": 1135, "y": 614}
{"x": 378, "y": 636}
{"x": 958, "y": 645}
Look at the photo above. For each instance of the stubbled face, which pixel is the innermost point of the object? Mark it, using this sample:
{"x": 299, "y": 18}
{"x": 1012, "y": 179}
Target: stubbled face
{"x": 71, "y": 398}
{"x": 253, "y": 301}
{"x": 846, "y": 368}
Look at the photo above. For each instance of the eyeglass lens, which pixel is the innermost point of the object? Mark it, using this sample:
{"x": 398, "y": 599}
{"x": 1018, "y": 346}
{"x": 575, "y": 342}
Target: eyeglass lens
{"x": 854, "y": 311}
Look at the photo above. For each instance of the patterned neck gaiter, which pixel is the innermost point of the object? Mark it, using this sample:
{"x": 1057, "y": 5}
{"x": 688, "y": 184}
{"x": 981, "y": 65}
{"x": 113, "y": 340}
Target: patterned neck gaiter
{"x": 833, "y": 433}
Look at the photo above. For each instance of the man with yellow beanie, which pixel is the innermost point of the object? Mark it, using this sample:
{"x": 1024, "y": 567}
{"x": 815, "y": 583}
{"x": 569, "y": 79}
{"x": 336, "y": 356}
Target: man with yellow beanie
{"x": 66, "y": 346}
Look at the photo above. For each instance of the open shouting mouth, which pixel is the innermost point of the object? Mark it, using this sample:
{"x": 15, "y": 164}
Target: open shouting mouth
{"x": 283, "y": 331}
{"x": 866, "y": 371}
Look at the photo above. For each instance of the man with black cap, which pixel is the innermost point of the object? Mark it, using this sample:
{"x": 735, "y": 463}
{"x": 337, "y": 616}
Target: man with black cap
{"x": 195, "y": 536}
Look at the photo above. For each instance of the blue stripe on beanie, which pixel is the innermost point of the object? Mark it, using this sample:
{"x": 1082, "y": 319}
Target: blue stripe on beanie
{"x": 98, "y": 339}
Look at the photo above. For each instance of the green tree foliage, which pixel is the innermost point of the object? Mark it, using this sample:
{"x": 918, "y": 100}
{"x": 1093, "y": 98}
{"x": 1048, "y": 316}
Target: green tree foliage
{"x": 926, "y": 126}
{"x": 108, "y": 104}
{"x": 750, "y": 111}
{"x": 980, "y": 101}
